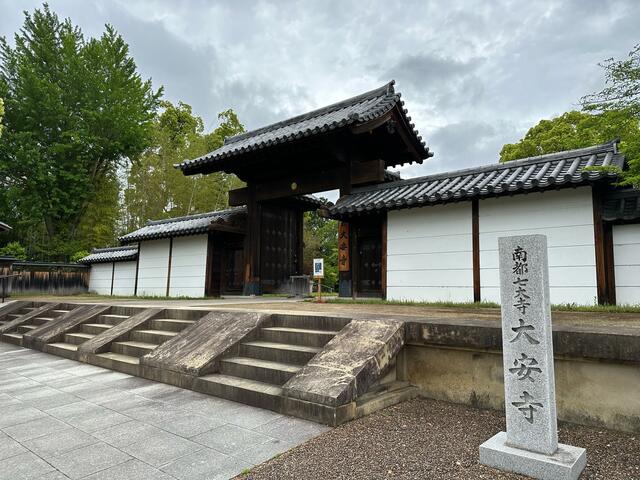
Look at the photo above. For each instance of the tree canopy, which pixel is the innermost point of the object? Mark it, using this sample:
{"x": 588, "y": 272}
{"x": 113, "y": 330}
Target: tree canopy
{"x": 156, "y": 189}
{"x": 75, "y": 111}
{"x": 613, "y": 113}
{"x": 321, "y": 241}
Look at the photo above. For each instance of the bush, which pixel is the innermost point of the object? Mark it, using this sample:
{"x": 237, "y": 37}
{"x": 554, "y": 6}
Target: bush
{"x": 14, "y": 249}
{"x": 78, "y": 255}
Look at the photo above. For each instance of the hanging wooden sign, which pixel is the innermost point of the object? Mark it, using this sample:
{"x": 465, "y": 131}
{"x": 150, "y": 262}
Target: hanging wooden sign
{"x": 343, "y": 247}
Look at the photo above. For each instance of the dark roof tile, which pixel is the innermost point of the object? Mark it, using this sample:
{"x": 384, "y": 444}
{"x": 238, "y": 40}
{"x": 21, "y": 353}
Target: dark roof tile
{"x": 535, "y": 173}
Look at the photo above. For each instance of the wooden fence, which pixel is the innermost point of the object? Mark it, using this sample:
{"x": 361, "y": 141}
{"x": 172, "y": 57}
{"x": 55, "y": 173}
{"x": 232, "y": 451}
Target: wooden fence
{"x": 50, "y": 278}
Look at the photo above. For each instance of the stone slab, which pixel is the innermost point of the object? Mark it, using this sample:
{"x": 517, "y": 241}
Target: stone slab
{"x": 349, "y": 364}
{"x": 11, "y": 307}
{"x": 101, "y": 343}
{"x": 25, "y": 319}
{"x": 54, "y": 330}
{"x": 565, "y": 464}
{"x": 197, "y": 348}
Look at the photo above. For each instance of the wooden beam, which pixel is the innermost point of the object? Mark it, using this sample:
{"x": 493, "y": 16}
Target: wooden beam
{"x": 371, "y": 171}
{"x": 475, "y": 245}
{"x": 169, "y": 265}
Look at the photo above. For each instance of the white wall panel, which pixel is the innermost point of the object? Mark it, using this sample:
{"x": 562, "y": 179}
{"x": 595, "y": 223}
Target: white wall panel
{"x": 124, "y": 278}
{"x": 189, "y": 266}
{"x": 429, "y": 254}
{"x": 153, "y": 259}
{"x": 100, "y": 278}
{"x": 566, "y": 218}
{"x": 626, "y": 255}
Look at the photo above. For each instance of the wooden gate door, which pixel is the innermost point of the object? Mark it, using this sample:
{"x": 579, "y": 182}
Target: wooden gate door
{"x": 369, "y": 261}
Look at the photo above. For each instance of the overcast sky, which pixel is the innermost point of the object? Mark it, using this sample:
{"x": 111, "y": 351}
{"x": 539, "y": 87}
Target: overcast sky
{"x": 474, "y": 74}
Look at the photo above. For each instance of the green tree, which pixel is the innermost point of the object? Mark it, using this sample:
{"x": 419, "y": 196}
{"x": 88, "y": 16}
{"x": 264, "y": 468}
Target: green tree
{"x": 14, "y": 249}
{"x": 621, "y": 96}
{"x": 158, "y": 190}
{"x": 1, "y": 114}
{"x": 576, "y": 130}
{"x": 321, "y": 241}
{"x": 75, "y": 110}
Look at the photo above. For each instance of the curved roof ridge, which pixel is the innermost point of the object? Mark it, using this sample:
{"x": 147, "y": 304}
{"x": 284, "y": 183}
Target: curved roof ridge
{"x": 193, "y": 216}
{"x": 386, "y": 89}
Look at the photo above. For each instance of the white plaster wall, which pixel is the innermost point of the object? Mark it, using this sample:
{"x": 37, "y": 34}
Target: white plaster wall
{"x": 626, "y": 255}
{"x": 153, "y": 257}
{"x": 100, "y": 278}
{"x": 429, "y": 254}
{"x": 124, "y": 278}
{"x": 566, "y": 218}
{"x": 189, "y": 266}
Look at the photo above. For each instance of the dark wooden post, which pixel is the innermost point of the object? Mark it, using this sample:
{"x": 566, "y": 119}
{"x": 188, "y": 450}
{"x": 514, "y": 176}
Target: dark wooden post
{"x": 383, "y": 259}
{"x": 113, "y": 274}
{"x": 135, "y": 287}
{"x": 344, "y": 260}
{"x": 603, "y": 240}
{"x": 252, "y": 284}
{"x": 169, "y": 265}
{"x": 475, "y": 242}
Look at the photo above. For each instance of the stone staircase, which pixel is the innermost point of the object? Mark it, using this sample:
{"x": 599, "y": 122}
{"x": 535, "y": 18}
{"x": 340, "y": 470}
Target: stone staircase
{"x": 17, "y": 314}
{"x": 15, "y": 336}
{"x": 86, "y": 331}
{"x": 125, "y": 353}
{"x": 255, "y": 372}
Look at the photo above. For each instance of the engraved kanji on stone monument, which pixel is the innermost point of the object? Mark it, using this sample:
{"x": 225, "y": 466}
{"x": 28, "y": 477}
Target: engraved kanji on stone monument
{"x": 530, "y": 444}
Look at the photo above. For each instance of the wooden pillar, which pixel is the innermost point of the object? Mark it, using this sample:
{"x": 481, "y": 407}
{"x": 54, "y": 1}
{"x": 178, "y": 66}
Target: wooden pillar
{"x": 169, "y": 265}
{"x": 252, "y": 285}
{"x": 383, "y": 259}
{"x": 603, "y": 240}
{"x": 113, "y": 274}
{"x": 475, "y": 245}
{"x": 135, "y": 286}
{"x": 299, "y": 242}
{"x": 344, "y": 260}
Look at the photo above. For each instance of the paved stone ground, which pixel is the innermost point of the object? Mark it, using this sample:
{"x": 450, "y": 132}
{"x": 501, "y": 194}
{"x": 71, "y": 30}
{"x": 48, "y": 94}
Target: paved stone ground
{"x": 63, "y": 419}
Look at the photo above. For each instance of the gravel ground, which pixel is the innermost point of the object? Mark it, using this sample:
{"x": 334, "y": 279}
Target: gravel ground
{"x": 427, "y": 439}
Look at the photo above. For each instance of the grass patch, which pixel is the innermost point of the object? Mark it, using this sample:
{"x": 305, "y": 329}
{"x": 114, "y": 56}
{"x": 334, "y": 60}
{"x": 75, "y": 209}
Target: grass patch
{"x": 566, "y": 307}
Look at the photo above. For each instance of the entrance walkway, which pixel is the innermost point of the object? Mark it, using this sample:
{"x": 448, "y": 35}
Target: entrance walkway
{"x": 64, "y": 419}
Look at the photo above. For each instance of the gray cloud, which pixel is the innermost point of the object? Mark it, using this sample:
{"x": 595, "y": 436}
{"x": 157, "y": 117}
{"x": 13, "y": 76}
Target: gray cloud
{"x": 474, "y": 74}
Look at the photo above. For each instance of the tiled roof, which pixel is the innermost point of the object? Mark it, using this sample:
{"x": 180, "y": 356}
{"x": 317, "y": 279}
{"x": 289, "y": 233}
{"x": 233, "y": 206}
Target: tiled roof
{"x": 529, "y": 174}
{"x": 115, "y": 254}
{"x": 622, "y": 205}
{"x": 181, "y": 226}
{"x": 353, "y": 111}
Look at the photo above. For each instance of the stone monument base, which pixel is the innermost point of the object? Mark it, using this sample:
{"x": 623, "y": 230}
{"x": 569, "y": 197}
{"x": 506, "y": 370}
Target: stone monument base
{"x": 565, "y": 464}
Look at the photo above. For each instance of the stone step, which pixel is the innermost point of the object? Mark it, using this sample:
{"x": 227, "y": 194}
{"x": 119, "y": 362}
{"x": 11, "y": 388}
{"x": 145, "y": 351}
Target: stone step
{"x": 133, "y": 349}
{"x": 77, "y": 338}
{"x": 170, "y": 324}
{"x": 111, "y": 318}
{"x": 392, "y": 394}
{"x": 15, "y": 338}
{"x": 297, "y": 336}
{"x": 59, "y": 312}
{"x": 310, "y": 321}
{"x": 266, "y": 371}
{"x": 95, "y": 328}
{"x": 26, "y": 328}
{"x": 62, "y": 349}
{"x": 117, "y": 361}
{"x": 13, "y": 316}
{"x": 151, "y": 336}
{"x": 42, "y": 320}
{"x": 242, "y": 390}
{"x": 278, "y": 352}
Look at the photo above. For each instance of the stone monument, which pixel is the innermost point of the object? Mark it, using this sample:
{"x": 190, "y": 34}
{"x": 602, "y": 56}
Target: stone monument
{"x": 530, "y": 444}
